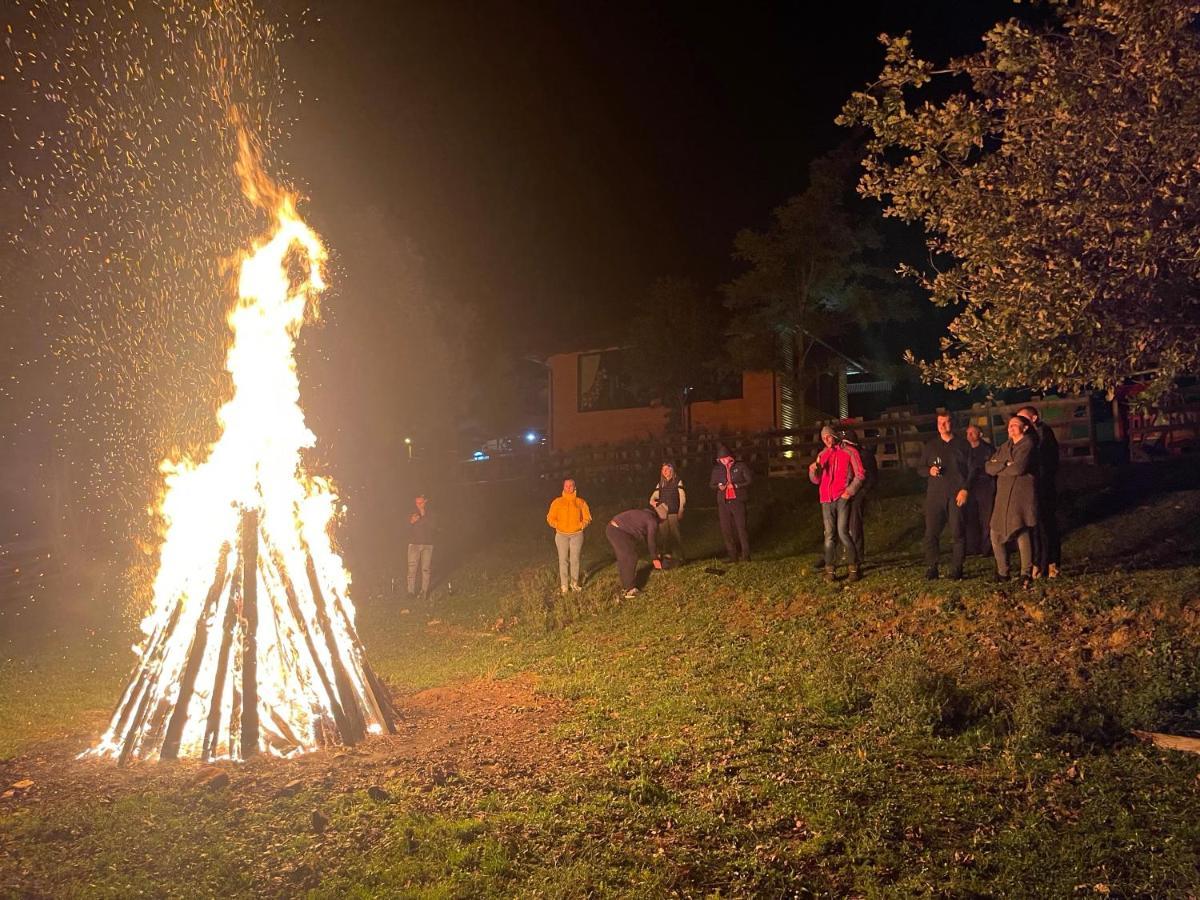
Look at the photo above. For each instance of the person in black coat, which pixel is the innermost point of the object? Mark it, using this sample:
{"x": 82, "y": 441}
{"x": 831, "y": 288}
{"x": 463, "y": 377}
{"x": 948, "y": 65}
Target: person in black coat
{"x": 625, "y": 532}
{"x": 730, "y": 478}
{"x": 981, "y": 493}
{"x": 858, "y": 503}
{"x": 1047, "y": 543}
{"x": 946, "y": 464}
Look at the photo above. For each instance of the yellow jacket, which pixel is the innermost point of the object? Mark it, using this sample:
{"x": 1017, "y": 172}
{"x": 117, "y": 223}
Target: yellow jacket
{"x": 568, "y": 514}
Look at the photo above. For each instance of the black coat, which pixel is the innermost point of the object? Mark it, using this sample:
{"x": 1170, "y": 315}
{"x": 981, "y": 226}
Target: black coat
{"x": 1016, "y": 490}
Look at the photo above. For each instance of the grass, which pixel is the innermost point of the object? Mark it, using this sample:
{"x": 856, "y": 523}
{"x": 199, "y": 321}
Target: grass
{"x": 750, "y": 733}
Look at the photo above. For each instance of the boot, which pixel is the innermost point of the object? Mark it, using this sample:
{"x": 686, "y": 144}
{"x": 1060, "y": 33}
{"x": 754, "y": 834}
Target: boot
{"x": 829, "y": 576}
{"x": 854, "y": 574}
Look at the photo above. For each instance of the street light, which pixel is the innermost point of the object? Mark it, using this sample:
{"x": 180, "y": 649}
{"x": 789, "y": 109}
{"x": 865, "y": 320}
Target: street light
{"x": 408, "y": 445}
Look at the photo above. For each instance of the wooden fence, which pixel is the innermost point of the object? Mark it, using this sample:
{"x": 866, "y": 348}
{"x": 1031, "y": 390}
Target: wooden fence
{"x": 898, "y": 439}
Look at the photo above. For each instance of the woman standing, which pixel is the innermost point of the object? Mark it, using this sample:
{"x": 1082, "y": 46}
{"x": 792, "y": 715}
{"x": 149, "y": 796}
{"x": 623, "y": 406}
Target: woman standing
{"x": 1014, "y": 515}
{"x": 568, "y": 516}
{"x": 669, "y": 490}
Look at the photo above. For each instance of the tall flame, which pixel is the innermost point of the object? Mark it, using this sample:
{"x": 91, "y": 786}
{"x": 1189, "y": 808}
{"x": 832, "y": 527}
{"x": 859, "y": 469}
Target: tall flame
{"x": 204, "y": 644}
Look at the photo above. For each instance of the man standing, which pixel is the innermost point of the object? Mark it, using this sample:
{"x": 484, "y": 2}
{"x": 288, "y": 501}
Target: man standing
{"x": 730, "y": 477}
{"x": 858, "y": 503}
{"x": 420, "y": 547}
{"x": 981, "y": 494}
{"x": 945, "y": 463}
{"x": 624, "y": 532}
{"x": 670, "y": 491}
{"x": 838, "y": 474}
{"x": 1047, "y": 544}
{"x": 569, "y": 515}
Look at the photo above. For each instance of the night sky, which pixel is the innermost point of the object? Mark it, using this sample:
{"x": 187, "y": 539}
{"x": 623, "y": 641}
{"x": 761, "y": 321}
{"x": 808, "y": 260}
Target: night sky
{"x": 495, "y": 180}
{"x": 549, "y": 160}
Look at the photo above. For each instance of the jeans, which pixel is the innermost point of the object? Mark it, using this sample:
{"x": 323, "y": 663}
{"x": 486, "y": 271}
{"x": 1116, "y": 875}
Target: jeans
{"x": 836, "y": 518}
{"x": 569, "y": 547}
{"x": 419, "y": 556}
{"x": 1024, "y": 547}
{"x": 858, "y": 516}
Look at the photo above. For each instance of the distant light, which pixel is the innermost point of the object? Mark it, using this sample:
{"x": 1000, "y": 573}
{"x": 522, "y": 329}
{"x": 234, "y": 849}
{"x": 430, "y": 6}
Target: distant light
{"x": 531, "y": 437}
{"x": 408, "y": 440}
{"x": 479, "y": 456}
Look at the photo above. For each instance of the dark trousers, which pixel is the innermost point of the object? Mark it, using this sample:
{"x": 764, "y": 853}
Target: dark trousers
{"x": 1047, "y": 544}
{"x": 977, "y": 518}
{"x": 732, "y": 514}
{"x": 939, "y": 512}
{"x": 625, "y": 548}
{"x": 858, "y": 515}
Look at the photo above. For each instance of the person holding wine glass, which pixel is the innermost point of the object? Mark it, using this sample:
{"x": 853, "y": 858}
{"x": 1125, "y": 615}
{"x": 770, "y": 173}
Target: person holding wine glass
{"x": 946, "y": 463}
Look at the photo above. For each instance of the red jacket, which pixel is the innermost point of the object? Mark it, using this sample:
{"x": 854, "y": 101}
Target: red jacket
{"x": 839, "y": 470}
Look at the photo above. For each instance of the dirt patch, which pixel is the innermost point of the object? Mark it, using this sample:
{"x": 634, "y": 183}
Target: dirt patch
{"x": 482, "y": 731}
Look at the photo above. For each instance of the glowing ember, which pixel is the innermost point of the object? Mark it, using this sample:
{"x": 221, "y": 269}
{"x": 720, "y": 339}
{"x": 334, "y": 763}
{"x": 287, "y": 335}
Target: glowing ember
{"x": 251, "y": 643}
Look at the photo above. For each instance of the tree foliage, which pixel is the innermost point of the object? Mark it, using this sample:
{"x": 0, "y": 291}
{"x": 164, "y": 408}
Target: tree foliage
{"x": 677, "y": 344}
{"x": 818, "y": 270}
{"x": 1060, "y": 180}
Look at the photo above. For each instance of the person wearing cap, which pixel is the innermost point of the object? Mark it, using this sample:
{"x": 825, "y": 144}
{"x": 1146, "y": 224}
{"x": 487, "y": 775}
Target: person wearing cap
{"x": 625, "y": 532}
{"x": 669, "y": 490}
{"x": 730, "y": 478}
{"x": 420, "y": 547}
{"x": 568, "y": 515}
{"x": 838, "y": 474}
{"x": 858, "y": 503}
{"x": 946, "y": 465}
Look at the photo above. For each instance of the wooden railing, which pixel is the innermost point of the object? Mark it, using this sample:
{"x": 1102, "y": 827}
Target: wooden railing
{"x": 898, "y": 439}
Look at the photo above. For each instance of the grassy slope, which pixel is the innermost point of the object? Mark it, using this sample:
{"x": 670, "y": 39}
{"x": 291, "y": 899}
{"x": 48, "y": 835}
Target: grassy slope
{"x": 751, "y": 732}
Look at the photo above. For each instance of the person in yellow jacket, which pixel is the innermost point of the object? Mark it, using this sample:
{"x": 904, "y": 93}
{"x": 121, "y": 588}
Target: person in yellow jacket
{"x": 568, "y": 516}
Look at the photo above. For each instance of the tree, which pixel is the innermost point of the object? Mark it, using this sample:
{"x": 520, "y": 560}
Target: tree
{"x": 814, "y": 273}
{"x": 676, "y": 344}
{"x": 1062, "y": 189}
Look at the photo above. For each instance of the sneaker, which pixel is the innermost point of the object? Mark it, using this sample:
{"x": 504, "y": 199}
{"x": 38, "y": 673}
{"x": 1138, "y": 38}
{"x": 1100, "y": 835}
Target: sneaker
{"x": 576, "y": 587}
{"x": 630, "y": 594}
{"x": 562, "y": 589}
{"x": 931, "y": 574}
{"x": 1035, "y": 573}
{"x": 1052, "y": 570}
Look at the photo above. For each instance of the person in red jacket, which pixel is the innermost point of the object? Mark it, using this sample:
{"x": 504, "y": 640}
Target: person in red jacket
{"x": 838, "y": 474}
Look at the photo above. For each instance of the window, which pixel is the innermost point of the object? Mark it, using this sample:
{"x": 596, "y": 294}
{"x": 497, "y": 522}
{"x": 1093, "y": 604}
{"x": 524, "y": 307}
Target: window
{"x": 717, "y": 386}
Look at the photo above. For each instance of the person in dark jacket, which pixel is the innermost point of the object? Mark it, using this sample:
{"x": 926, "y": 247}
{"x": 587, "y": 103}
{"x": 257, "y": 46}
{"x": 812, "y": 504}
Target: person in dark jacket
{"x": 730, "y": 478}
{"x": 669, "y": 490}
{"x": 981, "y": 493}
{"x": 1047, "y": 543}
{"x": 1014, "y": 514}
{"x": 946, "y": 463}
{"x": 420, "y": 547}
{"x": 624, "y": 532}
{"x": 858, "y": 503}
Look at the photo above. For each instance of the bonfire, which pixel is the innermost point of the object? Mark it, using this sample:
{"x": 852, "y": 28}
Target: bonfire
{"x": 250, "y": 645}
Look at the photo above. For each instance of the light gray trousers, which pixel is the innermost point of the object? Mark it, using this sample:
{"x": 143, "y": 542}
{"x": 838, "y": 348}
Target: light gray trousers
{"x": 569, "y": 548}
